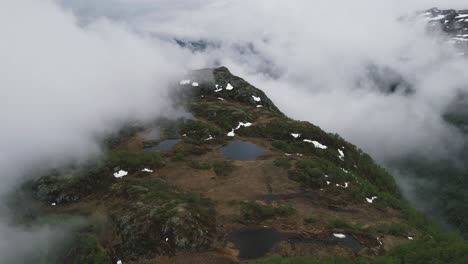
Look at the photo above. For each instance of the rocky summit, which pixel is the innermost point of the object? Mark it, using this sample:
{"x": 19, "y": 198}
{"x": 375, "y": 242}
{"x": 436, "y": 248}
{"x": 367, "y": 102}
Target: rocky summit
{"x": 451, "y": 21}
{"x": 236, "y": 181}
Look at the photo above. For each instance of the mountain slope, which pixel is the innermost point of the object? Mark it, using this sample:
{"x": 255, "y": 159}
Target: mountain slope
{"x": 242, "y": 182}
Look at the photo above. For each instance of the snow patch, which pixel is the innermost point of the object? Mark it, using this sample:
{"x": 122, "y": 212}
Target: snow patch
{"x": 339, "y": 235}
{"x": 231, "y": 134}
{"x": 295, "y": 135}
{"x": 120, "y": 174}
{"x": 316, "y": 144}
{"x": 410, "y": 238}
{"x": 209, "y": 138}
{"x": 344, "y": 170}
{"x": 221, "y": 99}
{"x": 241, "y": 124}
{"x": 345, "y": 185}
{"x": 257, "y": 99}
{"x": 259, "y": 106}
{"x": 53, "y": 204}
{"x": 119, "y": 262}
{"x": 229, "y": 87}
{"x": 146, "y": 170}
{"x": 371, "y": 200}
{"x": 341, "y": 155}
{"x": 218, "y": 90}
{"x": 195, "y": 84}
{"x": 184, "y": 82}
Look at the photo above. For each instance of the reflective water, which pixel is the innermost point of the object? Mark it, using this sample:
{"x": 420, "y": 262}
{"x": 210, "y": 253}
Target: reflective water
{"x": 242, "y": 150}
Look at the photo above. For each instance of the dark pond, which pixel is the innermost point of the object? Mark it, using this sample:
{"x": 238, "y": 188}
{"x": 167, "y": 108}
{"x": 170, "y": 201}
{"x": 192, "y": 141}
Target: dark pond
{"x": 255, "y": 242}
{"x": 164, "y": 145}
{"x": 242, "y": 150}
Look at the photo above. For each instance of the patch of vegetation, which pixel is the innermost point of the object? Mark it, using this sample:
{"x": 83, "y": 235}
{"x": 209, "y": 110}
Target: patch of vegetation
{"x": 311, "y": 220}
{"x": 282, "y": 162}
{"x": 67, "y": 186}
{"x": 343, "y": 224}
{"x": 394, "y": 229}
{"x": 199, "y": 165}
{"x": 197, "y": 132}
{"x": 223, "y": 167}
{"x": 135, "y": 160}
{"x": 442, "y": 248}
{"x": 252, "y": 212}
{"x": 156, "y": 218}
{"x": 226, "y": 117}
{"x": 85, "y": 249}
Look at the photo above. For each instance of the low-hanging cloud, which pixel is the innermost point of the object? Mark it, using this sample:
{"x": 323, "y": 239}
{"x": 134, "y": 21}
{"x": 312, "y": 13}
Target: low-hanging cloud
{"x": 64, "y": 84}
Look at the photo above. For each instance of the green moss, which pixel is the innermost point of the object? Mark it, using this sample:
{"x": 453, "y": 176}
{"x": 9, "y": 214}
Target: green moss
{"x": 282, "y": 162}
{"x": 198, "y": 165}
{"x": 222, "y": 167}
{"x": 394, "y": 229}
{"x": 343, "y": 224}
{"x": 197, "y": 132}
{"x": 85, "y": 249}
{"x": 311, "y": 220}
{"x": 154, "y": 218}
{"x": 252, "y": 212}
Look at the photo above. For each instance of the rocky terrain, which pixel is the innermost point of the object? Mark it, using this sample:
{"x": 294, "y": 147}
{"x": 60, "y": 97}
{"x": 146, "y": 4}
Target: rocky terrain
{"x": 453, "y": 22}
{"x": 236, "y": 182}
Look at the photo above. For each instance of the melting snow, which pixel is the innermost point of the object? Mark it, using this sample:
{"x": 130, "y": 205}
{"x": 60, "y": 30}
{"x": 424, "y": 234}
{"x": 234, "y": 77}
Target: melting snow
{"x": 328, "y": 183}
{"x": 229, "y": 87}
{"x": 195, "y": 84}
{"x": 287, "y": 154}
{"x": 231, "y": 134}
{"x": 344, "y": 170}
{"x": 119, "y": 262}
{"x": 120, "y": 174}
{"x": 146, "y": 170}
{"x": 209, "y": 138}
{"x": 346, "y": 184}
{"x": 221, "y": 99}
{"x": 259, "y": 106}
{"x": 326, "y": 176}
{"x": 218, "y": 90}
{"x": 184, "y": 82}
{"x": 460, "y": 39}
{"x": 338, "y": 235}
{"x": 257, "y": 99}
{"x": 341, "y": 154}
{"x": 410, "y": 238}
{"x": 54, "y": 204}
{"x": 462, "y": 16}
{"x": 371, "y": 200}
{"x": 316, "y": 144}
{"x": 295, "y": 135}
{"x": 241, "y": 124}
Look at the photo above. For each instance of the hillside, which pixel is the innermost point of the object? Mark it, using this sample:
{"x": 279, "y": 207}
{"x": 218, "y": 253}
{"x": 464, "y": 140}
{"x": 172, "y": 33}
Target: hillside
{"x": 237, "y": 182}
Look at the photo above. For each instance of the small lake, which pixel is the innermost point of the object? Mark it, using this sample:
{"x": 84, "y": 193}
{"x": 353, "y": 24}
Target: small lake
{"x": 255, "y": 242}
{"x": 242, "y": 150}
{"x": 163, "y": 145}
